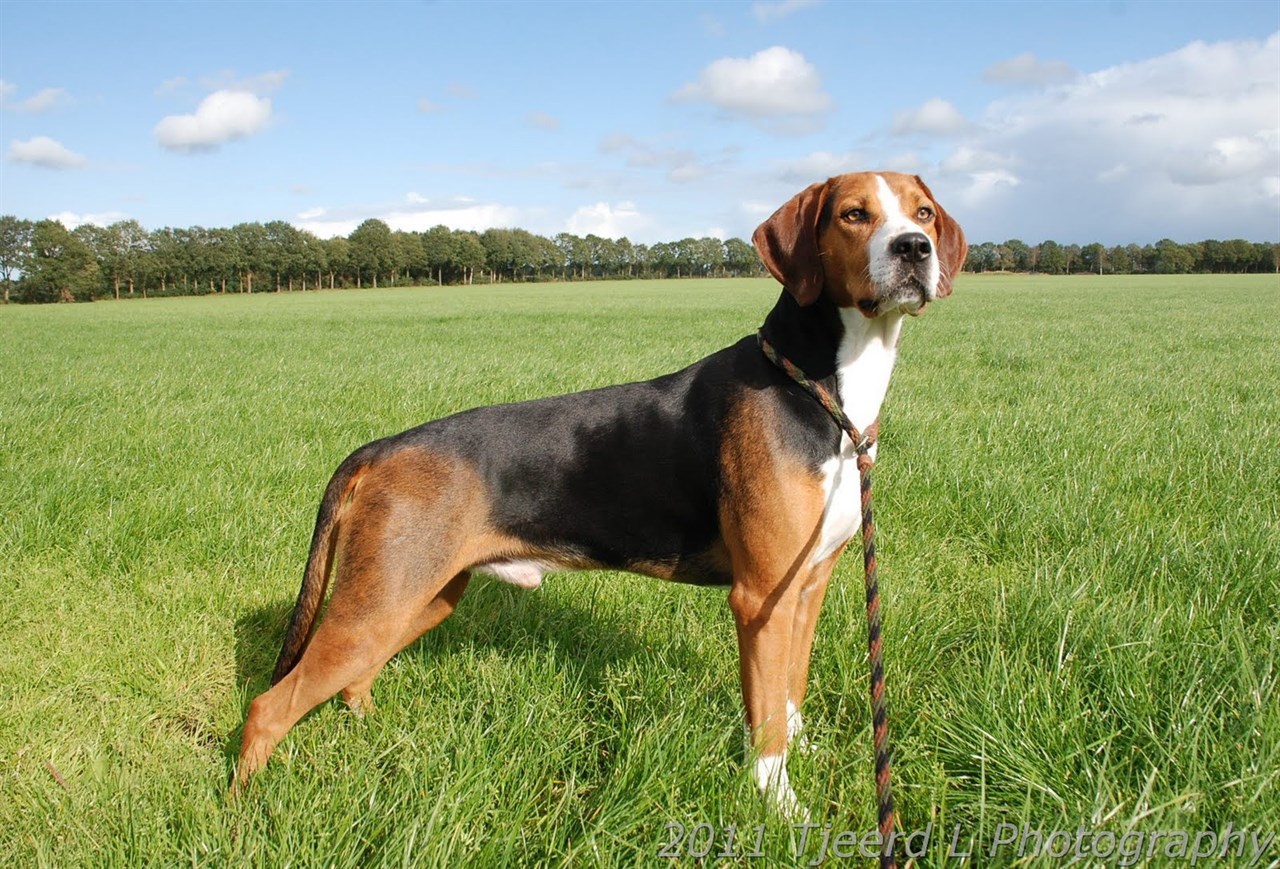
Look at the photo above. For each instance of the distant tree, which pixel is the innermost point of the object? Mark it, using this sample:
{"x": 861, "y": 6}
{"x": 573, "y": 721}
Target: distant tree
{"x": 337, "y": 258}
{"x": 1092, "y": 257}
{"x": 405, "y": 251}
{"x": 506, "y": 252}
{"x": 575, "y": 254}
{"x": 283, "y": 252}
{"x": 687, "y": 259}
{"x": 468, "y": 254}
{"x": 1053, "y": 259}
{"x": 547, "y": 255}
{"x": 740, "y": 258}
{"x": 982, "y": 258}
{"x": 94, "y": 238}
{"x": 221, "y": 256}
{"x": 1071, "y": 253}
{"x": 438, "y": 250}
{"x": 1172, "y": 258}
{"x": 315, "y": 259}
{"x": 1020, "y": 253}
{"x": 371, "y": 249}
{"x": 62, "y": 268}
{"x": 15, "y": 249}
{"x": 1120, "y": 261}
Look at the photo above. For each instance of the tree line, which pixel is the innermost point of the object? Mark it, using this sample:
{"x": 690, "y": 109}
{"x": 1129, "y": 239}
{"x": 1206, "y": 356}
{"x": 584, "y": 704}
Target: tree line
{"x": 43, "y": 261}
{"x": 1165, "y": 257}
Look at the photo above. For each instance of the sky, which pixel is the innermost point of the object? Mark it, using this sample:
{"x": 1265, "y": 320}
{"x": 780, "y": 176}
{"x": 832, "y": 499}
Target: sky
{"x": 1112, "y": 121}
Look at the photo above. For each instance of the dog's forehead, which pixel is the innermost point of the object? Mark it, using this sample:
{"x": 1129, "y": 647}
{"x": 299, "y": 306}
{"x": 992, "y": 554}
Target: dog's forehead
{"x": 867, "y": 187}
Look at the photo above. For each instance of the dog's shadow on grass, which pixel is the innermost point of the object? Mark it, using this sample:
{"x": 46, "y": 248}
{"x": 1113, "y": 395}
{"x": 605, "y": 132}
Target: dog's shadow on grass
{"x": 583, "y": 639}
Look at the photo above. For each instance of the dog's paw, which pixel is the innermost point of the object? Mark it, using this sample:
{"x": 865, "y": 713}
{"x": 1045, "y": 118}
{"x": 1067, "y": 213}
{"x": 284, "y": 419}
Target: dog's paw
{"x": 797, "y": 740}
{"x": 770, "y": 774}
{"x": 786, "y": 805}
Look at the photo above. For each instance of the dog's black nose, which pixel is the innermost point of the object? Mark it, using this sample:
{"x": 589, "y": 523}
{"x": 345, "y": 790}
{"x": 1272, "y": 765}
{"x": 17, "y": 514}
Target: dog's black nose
{"x": 913, "y": 247}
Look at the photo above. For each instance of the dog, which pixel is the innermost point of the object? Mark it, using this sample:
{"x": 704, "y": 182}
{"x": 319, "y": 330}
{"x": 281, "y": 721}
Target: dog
{"x": 725, "y": 473}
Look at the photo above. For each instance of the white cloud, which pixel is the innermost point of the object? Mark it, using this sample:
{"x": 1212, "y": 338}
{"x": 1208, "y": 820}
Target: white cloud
{"x": 768, "y": 12}
{"x": 72, "y": 219}
{"x": 1113, "y": 173}
{"x": 607, "y": 220}
{"x": 477, "y": 217}
{"x": 1180, "y": 145}
{"x": 907, "y": 161}
{"x": 712, "y": 26}
{"x": 543, "y": 121}
{"x": 681, "y": 164}
{"x": 969, "y": 159}
{"x": 1027, "y": 69}
{"x": 936, "y": 117}
{"x": 774, "y": 83}
{"x": 1224, "y": 159}
{"x": 415, "y": 198}
{"x": 171, "y": 85}
{"x": 221, "y": 117}
{"x": 821, "y": 165}
{"x": 42, "y": 101}
{"x": 984, "y": 185}
{"x": 46, "y": 153}
{"x": 263, "y": 83}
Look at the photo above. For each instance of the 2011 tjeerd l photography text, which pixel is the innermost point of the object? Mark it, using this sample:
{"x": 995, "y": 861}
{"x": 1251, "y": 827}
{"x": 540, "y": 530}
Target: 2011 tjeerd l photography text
{"x": 816, "y": 844}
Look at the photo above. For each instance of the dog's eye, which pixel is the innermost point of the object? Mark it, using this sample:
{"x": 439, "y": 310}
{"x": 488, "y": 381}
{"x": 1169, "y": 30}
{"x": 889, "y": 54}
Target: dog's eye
{"x": 856, "y": 215}
{"x": 925, "y": 213}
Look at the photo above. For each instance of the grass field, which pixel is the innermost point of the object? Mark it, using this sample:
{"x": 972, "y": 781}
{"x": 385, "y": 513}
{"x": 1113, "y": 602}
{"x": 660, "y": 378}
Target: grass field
{"x": 1079, "y": 538}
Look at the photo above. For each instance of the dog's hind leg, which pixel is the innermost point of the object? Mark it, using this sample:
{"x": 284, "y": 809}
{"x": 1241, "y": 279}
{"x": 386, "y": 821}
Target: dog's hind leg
{"x": 359, "y": 695}
{"x": 401, "y": 560}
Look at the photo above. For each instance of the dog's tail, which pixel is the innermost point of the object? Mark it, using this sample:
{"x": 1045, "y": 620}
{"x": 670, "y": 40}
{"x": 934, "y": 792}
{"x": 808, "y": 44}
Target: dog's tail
{"x": 315, "y": 580}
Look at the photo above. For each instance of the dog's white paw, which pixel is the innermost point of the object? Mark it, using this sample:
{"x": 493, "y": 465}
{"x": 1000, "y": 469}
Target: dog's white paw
{"x": 796, "y": 738}
{"x": 770, "y": 774}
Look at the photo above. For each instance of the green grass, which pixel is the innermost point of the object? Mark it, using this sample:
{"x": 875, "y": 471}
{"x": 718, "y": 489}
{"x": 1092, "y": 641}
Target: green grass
{"x": 1079, "y": 539}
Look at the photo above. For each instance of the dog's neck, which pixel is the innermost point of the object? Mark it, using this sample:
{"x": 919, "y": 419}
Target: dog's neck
{"x": 848, "y": 351}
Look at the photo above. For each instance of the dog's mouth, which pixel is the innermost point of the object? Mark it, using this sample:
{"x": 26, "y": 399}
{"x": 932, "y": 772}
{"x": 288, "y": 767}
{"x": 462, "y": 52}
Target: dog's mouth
{"x": 907, "y": 296}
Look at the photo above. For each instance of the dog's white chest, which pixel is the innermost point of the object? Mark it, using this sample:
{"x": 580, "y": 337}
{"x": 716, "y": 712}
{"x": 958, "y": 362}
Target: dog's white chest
{"x": 865, "y": 362}
{"x": 841, "y": 489}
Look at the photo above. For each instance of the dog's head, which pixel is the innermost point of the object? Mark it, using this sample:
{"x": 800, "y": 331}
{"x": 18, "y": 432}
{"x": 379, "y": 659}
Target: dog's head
{"x": 876, "y": 241}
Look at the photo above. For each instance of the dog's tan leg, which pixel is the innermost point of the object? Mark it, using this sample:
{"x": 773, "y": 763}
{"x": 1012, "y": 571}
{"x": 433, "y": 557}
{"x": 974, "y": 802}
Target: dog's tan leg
{"x": 359, "y": 695}
{"x": 343, "y": 650}
{"x": 348, "y": 650}
{"x": 771, "y": 522}
{"x": 806, "y": 623}
{"x": 764, "y": 623}
{"x": 397, "y": 577}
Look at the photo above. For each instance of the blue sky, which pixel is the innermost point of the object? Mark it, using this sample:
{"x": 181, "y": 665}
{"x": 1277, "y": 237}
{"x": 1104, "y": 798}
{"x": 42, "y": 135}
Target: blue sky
{"x": 1080, "y": 121}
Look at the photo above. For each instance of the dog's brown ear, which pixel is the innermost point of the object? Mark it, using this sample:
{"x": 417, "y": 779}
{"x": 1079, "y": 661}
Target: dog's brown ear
{"x": 952, "y": 248}
{"x": 788, "y": 243}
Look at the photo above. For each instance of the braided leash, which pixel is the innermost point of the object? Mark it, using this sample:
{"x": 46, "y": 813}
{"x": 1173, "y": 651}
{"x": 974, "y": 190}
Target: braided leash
{"x": 879, "y": 719}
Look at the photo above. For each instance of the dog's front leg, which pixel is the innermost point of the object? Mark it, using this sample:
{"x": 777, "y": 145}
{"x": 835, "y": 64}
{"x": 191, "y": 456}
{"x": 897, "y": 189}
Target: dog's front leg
{"x": 765, "y": 623}
{"x": 808, "y": 605}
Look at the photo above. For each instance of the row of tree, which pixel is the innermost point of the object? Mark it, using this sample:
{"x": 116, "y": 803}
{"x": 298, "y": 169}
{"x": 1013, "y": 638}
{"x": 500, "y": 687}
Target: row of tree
{"x": 1166, "y": 256}
{"x": 43, "y": 261}
{"x": 52, "y": 263}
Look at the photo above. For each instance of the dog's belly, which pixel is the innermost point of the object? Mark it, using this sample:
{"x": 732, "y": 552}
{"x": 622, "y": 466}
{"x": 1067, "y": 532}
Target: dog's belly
{"x": 523, "y": 574}
{"x": 842, "y": 513}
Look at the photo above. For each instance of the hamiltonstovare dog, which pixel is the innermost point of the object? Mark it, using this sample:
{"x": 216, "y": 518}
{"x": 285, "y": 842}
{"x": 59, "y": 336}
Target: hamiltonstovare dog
{"x": 726, "y": 473}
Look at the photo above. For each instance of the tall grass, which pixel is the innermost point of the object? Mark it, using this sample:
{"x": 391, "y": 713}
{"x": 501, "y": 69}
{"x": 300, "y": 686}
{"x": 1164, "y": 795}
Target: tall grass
{"x": 1080, "y": 549}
